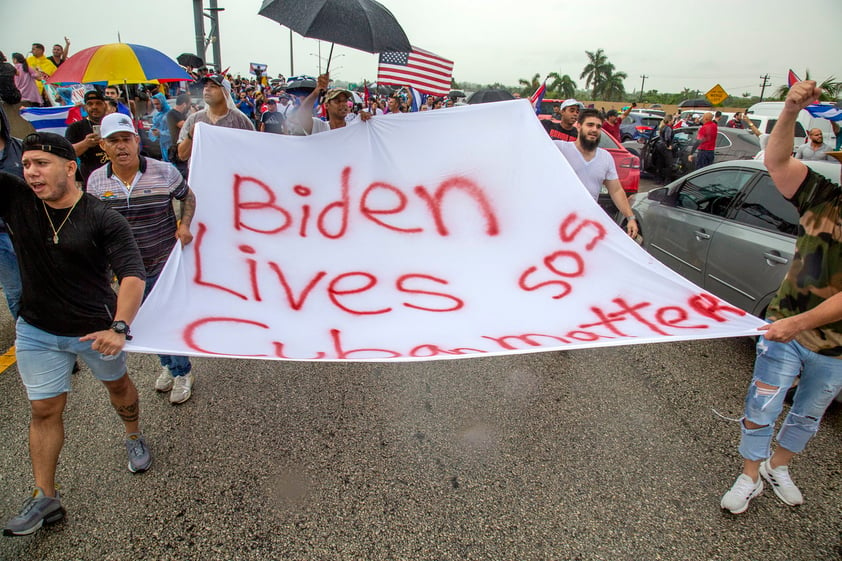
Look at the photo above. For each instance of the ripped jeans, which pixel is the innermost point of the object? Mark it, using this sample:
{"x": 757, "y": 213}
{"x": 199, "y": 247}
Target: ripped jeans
{"x": 777, "y": 365}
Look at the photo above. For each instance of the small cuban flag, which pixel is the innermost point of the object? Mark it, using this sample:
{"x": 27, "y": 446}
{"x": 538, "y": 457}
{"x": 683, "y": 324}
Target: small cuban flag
{"x": 536, "y": 98}
{"x": 818, "y": 110}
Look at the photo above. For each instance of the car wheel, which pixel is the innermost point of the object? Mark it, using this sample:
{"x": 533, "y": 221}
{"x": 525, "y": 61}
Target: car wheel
{"x": 626, "y": 138}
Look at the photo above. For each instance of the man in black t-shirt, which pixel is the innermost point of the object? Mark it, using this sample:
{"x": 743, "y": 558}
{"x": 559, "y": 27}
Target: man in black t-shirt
{"x": 566, "y": 130}
{"x": 178, "y": 114}
{"x": 67, "y": 244}
{"x": 84, "y": 136}
{"x": 272, "y": 120}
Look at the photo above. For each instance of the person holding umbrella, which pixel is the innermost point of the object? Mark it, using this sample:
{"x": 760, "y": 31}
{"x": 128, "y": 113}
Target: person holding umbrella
{"x": 336, "y": 105}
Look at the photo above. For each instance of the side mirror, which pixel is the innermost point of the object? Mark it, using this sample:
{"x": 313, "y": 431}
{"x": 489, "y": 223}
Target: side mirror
{"x": 657, "y": 195}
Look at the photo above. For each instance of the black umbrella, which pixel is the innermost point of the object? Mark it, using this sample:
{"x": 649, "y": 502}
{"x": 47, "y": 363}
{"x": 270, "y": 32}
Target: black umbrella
{"x": 187, "y": 59}
{"x": 695, "y": 103}
{"x": 487, "y": 96}
{"x": 361, "y": 24}
{"x": 300, "y": 85}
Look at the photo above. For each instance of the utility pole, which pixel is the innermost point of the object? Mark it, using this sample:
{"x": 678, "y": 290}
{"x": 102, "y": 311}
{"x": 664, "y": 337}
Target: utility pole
{"x": 642, "y": 81}
{"x": 764, "y": 85}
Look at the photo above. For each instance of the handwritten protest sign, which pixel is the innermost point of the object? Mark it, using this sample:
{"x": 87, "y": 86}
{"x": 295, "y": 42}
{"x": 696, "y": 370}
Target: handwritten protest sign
{"x": 441, "y": 234}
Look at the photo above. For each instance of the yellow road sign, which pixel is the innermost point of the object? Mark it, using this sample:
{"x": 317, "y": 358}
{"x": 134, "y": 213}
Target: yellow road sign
{"x": 716, "y": 95}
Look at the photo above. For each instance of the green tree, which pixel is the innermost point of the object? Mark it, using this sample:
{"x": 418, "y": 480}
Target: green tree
{"x": 612, "y": 88}
{"x": 561, "y": 86}
{"x": 529, "y": 86}
{"x": 597, "y": 69}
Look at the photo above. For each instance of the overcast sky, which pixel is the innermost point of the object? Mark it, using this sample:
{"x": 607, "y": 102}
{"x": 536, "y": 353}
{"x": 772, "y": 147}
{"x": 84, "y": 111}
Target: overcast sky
{"x": 676, "y": 44}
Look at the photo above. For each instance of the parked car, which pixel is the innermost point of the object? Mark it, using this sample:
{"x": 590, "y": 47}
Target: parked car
{"x": 731, "y": 144}
{"x": 638, "y": 125}
{"x": 764, "y": 124}
{"x": 805, "y": 120}
{"x": 628, "y": 170}
{"x": 726, "y": 228}
{"x": 654, "y": 112}
{"x": 628, "y": 164}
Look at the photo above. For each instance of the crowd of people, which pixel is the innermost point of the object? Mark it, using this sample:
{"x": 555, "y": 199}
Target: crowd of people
{"x": 57, "y": 193}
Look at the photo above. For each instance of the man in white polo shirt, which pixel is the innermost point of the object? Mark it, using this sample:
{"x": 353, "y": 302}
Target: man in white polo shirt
{"x": 595, "y": 166}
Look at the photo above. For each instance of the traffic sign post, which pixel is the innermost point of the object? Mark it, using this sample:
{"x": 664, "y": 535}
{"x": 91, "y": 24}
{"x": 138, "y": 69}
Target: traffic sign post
{"x": 716, "y": 95}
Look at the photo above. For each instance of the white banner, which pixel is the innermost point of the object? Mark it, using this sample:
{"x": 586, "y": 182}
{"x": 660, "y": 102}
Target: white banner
{"x": 441, "y": 234}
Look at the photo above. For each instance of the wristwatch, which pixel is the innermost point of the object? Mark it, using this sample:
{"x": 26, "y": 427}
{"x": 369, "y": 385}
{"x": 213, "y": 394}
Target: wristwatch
{"x": 123, "y": 328}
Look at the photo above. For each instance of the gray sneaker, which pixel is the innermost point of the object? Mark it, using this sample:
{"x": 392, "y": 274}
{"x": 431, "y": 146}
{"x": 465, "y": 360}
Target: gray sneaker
{"x": 182, "y": 388}
{"x": 139, "y": 457}
{"x": 164, "y": 381}
{"x": 38, "y": 510}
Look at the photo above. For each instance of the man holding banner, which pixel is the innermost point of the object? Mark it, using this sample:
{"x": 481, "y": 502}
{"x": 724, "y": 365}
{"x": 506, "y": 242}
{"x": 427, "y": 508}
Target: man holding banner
{"x": 336, "y": 106}
{"x": 142, "y": 190}
{"x": 805, "y": 334}
{"x": 594, "y": 166}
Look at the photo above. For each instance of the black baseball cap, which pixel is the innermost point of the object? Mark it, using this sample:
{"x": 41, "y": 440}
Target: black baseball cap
{"x": 49, "y": 142}
{"x": 94, "y": 94}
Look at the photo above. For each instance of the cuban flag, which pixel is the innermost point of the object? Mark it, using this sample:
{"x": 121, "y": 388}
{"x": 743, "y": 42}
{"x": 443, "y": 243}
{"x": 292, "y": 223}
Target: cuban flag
{"x": 416, "y": 99}
{"x": 51, "y": 119}
{"x": 817, "y": 110}
{"x": 536, "y": 98}
{"x": 825, "y": 111}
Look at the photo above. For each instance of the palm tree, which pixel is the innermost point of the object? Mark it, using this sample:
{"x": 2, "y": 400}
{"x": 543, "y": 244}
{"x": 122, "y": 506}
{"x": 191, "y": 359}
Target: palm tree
{"x": 596, "y": 70}
{"x": 529, "y": 86}
{"x": 563, "y": 86}
{"x": 612, "y": 87}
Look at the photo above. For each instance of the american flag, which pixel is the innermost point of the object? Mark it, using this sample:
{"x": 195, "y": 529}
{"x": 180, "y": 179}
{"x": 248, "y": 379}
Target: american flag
{"x": 423, "y": 70}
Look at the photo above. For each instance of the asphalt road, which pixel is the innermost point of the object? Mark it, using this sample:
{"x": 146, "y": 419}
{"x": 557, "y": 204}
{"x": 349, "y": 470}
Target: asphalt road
{"x": 610, "y": 454}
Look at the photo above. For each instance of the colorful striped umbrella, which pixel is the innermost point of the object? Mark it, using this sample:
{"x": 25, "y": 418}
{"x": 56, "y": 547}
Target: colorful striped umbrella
{"x": 118, "y": 63}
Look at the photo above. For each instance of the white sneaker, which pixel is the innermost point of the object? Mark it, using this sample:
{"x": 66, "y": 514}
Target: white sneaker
{"x": 182, "y": 388}
{"x": 744, "y": 489}
{"x": 781, "y": 483}
{"x": 164, "y": 381}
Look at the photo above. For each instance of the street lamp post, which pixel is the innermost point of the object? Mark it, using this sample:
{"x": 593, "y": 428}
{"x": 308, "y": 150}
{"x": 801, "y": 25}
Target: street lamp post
{"x": 202, "y": 42}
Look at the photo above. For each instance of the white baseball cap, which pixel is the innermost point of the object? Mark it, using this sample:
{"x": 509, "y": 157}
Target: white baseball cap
{"x": 571, "y": 102}
{"x": 116, "y": 122}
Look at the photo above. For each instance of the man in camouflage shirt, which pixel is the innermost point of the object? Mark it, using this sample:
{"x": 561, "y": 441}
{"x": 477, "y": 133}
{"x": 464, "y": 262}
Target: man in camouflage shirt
{"x": 805, "y": 333}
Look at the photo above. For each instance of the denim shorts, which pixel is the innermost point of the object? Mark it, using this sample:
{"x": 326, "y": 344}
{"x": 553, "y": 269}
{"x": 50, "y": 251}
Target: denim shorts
{"x": 45, "y": 361}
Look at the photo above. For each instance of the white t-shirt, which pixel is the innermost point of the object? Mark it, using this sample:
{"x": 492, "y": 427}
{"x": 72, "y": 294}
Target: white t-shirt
{"x": 324, "y": 126}
{"x": 592, "y": 173}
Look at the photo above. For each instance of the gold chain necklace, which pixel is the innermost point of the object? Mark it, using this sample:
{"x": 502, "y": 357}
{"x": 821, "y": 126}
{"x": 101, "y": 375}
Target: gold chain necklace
{"x": 128, "y": 184}
{"x": 63, "y": 222}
